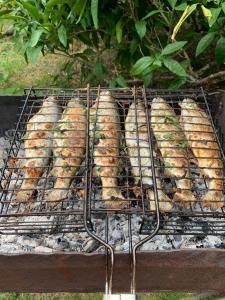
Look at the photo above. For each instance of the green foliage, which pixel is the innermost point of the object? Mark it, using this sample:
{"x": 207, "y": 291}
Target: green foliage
{"x": 155, "y": 42}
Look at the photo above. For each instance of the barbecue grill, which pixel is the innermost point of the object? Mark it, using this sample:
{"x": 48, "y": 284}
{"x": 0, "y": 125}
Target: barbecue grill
{"x": 84, "y": 209}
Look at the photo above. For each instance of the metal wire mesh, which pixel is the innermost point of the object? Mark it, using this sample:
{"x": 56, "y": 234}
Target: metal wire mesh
{"x": 121, "y": 170}
{"x": 26, "y": 178}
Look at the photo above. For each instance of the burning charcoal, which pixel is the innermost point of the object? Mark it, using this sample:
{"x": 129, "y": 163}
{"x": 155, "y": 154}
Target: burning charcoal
{"x": 90, "y": 245}
{"x": 117, "y": 235}
{"x": 43, "y": 249}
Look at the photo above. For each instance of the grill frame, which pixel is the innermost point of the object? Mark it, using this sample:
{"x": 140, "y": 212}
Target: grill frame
{"x": 156, "y": 270}
{"x": 126, "y": 96}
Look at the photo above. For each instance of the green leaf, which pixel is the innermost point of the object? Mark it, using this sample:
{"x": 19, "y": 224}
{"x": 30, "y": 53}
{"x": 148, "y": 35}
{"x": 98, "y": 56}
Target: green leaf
{"x": 223, "y": 7}
{"x": 119, "y": 30}
{"x": 141, "y": 65}
{"x": 84, "y": 2}
{"x": 205, "y": 42}
{"x": 52, "y": 3}
{"x": 172, "y": 3}
{"x": 140, "y": 28}
{"x": 215, "y": 14}
{"x": 79, "y": 8}
{"x": 206, "y": 12}
{"x": 220, "y": 50}
{"x": 151, "y": 13}
{"x": 171, "y": 48}
{"x": 4, "y": 12}
{"x": 10, "y": 17}
{"x": 36, "y": 34}
{"x": 32, "y": 10}
{"x": 62, "y": 35}
{"x": 188, "y": 11}
{"x": 89, "y": 52}
{"x": 112, "y": 83}
{"x": 177, "y": 83}
{"x": 133, "y": 46}
{"x": 181, "y": 7}
{"x": 98, "y": 71}
{"x": 121, "y": 81}
{"x": 174, "y": 67}
{"x": 147, "y": 80}
{"x": 94, "y": 12}
{"x": 33, "y": 54}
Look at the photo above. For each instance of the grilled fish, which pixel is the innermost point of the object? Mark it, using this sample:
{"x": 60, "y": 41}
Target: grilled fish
{"x": 200, "y": 137}
{"x": 104, "y": 119}
{"x": 38, "y": 147}
{"x": 172, "y": 145}
{"x": 68, "y": 148}
{"x": 137, "y": 143}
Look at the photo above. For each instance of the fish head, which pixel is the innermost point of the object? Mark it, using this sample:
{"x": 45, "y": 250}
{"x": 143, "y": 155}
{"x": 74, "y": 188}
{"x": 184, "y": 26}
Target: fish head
{"x": 51, "y": 100}
{"x": 161, "y": 107}
{"x": 188, "y": 104}
{"x": 74, "y": 103}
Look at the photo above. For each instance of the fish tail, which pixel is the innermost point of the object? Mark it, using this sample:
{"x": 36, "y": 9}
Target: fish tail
{"x": 213, "y": 200}
{"x": 113, "y": 198}
{"x": 185, "y": 197}
{"x": 164, "y": 201}
{"x": 24, "y": 196}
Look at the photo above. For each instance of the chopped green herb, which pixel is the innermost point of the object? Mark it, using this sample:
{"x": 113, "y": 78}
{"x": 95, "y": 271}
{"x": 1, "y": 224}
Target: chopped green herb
{"x": 183, "y": 144}
{"x": 83, "y": 104}
{"x": 158, "y": 135}
{"x": 66, "y": 168}
{"x": 168, "y": 136}
{"x": 93, "y": 119}
{"x": 190, "y": 105}
{"x": 98, "y": 168}
{"x": 173, "y": 120}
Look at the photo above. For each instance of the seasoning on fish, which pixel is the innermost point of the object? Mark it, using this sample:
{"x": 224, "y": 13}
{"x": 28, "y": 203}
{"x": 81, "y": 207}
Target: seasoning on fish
{"x": 106, "y": 130}
{"x": 137, "y": 143}
{"x": 201, "y": 140}
{"x": 172, "y": 145}
{"x": 68, "y": 148}
{"x": 38, "y": 147}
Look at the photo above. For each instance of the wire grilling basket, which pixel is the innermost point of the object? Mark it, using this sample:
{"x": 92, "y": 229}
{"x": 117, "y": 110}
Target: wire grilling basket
{"x": 122, "y": 168}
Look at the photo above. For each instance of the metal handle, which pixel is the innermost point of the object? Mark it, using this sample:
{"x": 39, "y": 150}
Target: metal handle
{"x": 119, "y": 297}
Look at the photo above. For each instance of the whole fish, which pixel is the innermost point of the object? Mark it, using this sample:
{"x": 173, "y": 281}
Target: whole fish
{"x": 68, "y": 148}
{"x": 201, "y": 140}
{"x": 172, "y": 145}
{"x": 38, "y": 147}
{"x": 137, "y": 143}
{"x": 106, "y": 133}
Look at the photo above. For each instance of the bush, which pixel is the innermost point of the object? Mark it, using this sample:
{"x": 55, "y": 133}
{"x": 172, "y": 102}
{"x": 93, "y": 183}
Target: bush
{"x": 160, "y": 43}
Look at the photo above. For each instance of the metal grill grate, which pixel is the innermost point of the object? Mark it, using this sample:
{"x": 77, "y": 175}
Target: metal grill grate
{"x": 35, "y": 215}
{"x": 115, "y": 176}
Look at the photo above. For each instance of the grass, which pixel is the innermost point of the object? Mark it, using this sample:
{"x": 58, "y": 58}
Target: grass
{"x": 16, "y": 74}
{"x": 97, "y": 296}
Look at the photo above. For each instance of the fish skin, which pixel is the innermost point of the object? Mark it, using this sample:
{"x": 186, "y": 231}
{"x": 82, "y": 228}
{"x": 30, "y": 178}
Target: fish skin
{"x": 106, "y": 149}
{"x": 205, "y": 149}
{"x": 68, "y": 148}
{"x": 38, "y": 147}
{"x": 172, "y": 145}
{"x": 136, "y": 121}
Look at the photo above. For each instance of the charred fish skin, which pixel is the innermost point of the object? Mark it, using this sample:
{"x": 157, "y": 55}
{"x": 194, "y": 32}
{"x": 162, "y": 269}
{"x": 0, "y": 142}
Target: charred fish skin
{"x": 172, "y": 145}
{"x": 201, "y": 140}
{"x": 105, "y": 122}
{"x": 38, "y": 146}
{"x": 68, "y": 148}
{"x": 136, "y": 134}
